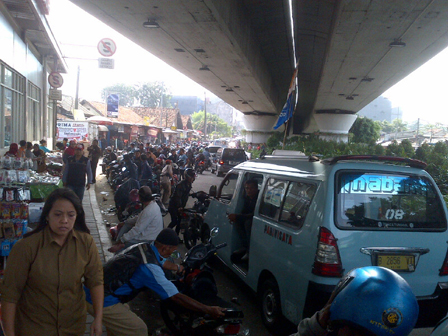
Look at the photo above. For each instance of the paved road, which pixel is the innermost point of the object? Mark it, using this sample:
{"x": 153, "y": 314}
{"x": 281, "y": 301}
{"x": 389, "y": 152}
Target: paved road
{"x": 229, "y": 285}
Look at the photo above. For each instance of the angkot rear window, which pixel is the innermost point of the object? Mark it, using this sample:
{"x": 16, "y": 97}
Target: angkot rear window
{"x": 234, "y": 155}
{"x": 385, "y": 201}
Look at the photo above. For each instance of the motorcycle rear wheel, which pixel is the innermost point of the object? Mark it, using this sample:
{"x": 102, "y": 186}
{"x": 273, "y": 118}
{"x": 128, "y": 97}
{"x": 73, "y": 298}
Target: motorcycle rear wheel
{"x": 190, "y": 237}
{"x": 176, "y": 319}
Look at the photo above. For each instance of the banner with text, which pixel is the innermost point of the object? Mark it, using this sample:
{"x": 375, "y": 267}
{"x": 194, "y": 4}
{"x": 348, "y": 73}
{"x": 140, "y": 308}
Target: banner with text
{"x": 78, "y": 130}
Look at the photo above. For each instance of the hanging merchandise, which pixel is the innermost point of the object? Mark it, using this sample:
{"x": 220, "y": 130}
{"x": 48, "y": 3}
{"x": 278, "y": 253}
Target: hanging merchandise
{"x": 22, "y": 189}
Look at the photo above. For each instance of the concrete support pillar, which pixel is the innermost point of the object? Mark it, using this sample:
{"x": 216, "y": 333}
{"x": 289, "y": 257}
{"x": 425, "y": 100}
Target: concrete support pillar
{"x": 333, "y": 126}
{"x": 259, "y": 127}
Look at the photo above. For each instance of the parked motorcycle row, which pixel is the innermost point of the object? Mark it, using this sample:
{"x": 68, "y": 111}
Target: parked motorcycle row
{"x": 197, "y": 280}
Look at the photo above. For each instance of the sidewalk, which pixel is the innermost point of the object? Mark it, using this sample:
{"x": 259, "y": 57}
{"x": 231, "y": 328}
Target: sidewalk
{"x": 99, "y": 232}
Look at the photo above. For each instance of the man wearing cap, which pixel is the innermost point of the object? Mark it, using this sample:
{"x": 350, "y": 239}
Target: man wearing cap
{"x": 145, "y": 228}
{"x": 76, "y": 168}
{"x": 117, "y": 318}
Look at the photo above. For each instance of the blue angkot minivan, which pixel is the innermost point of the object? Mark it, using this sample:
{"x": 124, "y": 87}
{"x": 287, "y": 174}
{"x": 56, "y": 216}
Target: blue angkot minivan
{"x": 315, "y": 220}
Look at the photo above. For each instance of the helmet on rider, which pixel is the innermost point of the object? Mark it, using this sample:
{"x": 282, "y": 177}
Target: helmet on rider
{"x": 133, "y": 195}
{"x": 189, "y": 172}
{"x": 376, "y": 301}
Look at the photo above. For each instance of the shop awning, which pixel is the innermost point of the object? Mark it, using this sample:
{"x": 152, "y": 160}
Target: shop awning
{"x": 102, "y": 128}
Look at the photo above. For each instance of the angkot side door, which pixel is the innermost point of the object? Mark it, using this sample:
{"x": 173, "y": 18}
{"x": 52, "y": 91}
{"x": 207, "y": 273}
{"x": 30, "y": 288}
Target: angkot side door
{"x": 216, "y": 216}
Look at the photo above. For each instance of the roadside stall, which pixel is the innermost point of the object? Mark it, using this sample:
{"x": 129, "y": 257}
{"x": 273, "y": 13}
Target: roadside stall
{"x": 22, "y": 193}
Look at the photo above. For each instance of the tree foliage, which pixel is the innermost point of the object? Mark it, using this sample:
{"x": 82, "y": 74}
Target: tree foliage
{"x": 150, "y": 94}
{"x": 153, "y": 94}
{"x": 126, "y": 92}
{"x": 396, "y": 126}
{"x": 216, "y": 126}
{"x": 436, "y": 156}
{"x": 365, "y": 130}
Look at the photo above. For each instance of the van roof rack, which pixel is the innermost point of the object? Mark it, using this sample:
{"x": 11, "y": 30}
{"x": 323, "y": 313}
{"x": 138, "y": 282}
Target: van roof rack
{"x": 383, "y": 158}
{"x": 310, "y": 158}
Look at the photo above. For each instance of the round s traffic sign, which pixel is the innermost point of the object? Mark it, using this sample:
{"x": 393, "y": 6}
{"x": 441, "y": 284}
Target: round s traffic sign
{"x": 107, "y": 47}
{"x": 55, "y": 79}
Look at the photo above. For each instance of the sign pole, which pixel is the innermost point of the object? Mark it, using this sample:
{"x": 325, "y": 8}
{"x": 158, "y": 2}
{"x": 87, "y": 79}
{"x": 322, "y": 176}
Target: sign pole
{"x": 77, "y": 89}
{"x": 205, "y": 116}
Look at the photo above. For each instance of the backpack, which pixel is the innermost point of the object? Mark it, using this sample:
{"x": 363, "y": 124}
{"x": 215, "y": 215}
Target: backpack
{"x": 119, "y": 270}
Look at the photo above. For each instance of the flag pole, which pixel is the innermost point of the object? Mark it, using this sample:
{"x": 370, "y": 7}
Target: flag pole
{"x": 286, "y": 131}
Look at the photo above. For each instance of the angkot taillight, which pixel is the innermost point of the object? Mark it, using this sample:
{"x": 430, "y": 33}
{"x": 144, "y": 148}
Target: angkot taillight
{"x": 221, "y": 162}
{"x": 444, "y": 269}
{"x": 328, "y": 260}
{"x": 229, "y": 329}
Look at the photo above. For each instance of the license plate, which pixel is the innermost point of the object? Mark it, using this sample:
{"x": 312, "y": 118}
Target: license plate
{"x": 404, "y": 263}
{"x": 232, "y": 162}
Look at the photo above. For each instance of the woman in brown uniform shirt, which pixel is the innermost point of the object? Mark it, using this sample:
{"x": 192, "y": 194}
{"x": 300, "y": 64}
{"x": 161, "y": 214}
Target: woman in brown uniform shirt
{"x": 42, "y": 291}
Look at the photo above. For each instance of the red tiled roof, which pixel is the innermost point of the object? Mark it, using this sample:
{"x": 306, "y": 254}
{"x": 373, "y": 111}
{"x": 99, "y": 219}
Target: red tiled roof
{"x": 153, "y": 116}
{"x": 125, "y": 114}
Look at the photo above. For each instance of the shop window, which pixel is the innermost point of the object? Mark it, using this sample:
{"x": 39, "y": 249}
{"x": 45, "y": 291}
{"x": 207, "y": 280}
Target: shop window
{"x": 12, "y": 105}
{"x": 34, "y": 114}
{"x": 7, "y": 113}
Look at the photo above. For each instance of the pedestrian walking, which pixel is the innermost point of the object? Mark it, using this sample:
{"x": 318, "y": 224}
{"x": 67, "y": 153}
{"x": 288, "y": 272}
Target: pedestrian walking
{"x": 94, "y": 156}
{"x": 76, "y": 169}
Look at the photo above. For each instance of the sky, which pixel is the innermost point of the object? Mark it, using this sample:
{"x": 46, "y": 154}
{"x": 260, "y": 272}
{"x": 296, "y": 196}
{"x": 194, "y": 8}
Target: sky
{"x": 133, "y": 64}
{"x": 422, "y": 94}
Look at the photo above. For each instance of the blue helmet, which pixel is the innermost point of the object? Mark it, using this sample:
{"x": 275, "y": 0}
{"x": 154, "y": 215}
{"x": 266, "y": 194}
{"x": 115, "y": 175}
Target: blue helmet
{"x": 375, "y": 299}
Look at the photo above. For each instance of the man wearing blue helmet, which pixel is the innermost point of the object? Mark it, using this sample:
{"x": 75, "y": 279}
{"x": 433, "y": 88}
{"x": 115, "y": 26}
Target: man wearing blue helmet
{"x": 368, "y": 301}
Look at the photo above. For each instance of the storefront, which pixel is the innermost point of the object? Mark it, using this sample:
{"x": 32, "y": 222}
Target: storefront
{"x": 26, "y": 60}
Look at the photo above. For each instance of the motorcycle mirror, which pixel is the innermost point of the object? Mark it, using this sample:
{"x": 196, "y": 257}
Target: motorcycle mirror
{"x": 176, "y": 255}
{"x": 212, "y": 191}
{"x": 214, "y": 232}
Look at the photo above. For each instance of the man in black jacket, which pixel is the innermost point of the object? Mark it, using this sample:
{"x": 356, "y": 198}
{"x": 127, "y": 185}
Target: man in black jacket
{"x": 179, "y": 199}
{"x": 76, "y": 168}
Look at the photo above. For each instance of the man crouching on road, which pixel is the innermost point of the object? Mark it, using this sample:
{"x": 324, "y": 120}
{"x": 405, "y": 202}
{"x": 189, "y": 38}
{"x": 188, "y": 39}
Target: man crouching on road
{"x": 117, "y": 318}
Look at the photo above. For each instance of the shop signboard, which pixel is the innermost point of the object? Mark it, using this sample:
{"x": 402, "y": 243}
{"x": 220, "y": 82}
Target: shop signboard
{"x": 134, "y": 130}
{"x": 153, "y": 132}
{"x": 112, "y": 105}
{"x": 78, "y": 130}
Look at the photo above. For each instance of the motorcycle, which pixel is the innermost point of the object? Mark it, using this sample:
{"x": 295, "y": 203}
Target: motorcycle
{"x": 192, "y": 221}
{"x": 198, "y": 282}
{"x": 200, "y": 167}
{"x": 153, "y": 183}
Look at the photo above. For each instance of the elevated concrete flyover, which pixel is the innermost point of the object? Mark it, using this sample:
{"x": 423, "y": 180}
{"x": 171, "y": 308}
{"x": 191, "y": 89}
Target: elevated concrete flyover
{"x": 350, "y": 52}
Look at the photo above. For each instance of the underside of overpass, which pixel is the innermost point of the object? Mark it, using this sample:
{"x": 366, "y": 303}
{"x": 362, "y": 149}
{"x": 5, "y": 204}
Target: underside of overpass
{"x": 243, "y": 50}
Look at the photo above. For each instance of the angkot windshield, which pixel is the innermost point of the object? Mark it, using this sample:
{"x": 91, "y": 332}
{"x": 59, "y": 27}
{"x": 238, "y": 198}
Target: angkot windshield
{"x": 384, "y": 201}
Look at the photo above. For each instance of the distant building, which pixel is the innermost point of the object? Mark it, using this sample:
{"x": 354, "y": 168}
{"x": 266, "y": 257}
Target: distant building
{"x": 381, "y": 109}
{"x": 187, "y": 104}
{"x": 222, "y": 110}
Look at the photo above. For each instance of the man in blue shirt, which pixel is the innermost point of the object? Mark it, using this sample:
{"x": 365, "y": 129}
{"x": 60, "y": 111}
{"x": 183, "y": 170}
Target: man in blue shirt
{"x": 118, "y": 319}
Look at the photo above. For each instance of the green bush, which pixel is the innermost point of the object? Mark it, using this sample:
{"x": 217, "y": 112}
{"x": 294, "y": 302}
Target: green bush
{"x": 436, "y": 156}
